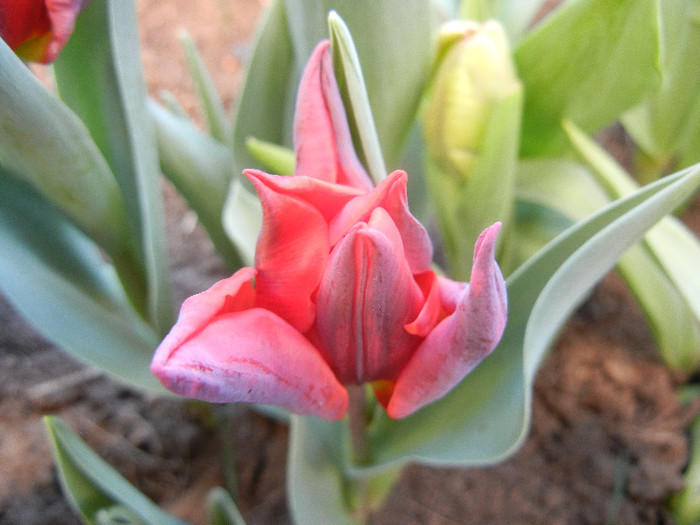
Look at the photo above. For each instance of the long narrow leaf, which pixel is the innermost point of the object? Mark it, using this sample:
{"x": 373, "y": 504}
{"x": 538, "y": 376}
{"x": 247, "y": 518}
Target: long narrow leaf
{"x": 42, "y": 142}
{"x": 94, "y": 487}
{"x": 201, "y": 169}
{"x": 674, "y": 245}
{"x": 209, "y": 99}
{"x": 266, "y": 104}
{"x": 57, "y": 278}
{"x": 487, "y": 416}
{"x": 100, "y": 76}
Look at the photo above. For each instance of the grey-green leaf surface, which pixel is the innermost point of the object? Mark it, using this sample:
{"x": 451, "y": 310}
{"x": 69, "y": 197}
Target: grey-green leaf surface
{"x": 222, "y": 509}
{"x": 44, "y": 143}
{"x": 100, "y": 76}
{"x": 209, "y": 99}
{"x": 314, "y": 476}
{"x": 588, "y": 62}
{"x": 266, "y": 103}
{"x": 572, "y": 191}
{"x": 201, "y": 168}
{"x": 92, "y": 486}
{"x": 57, "y": 278}
{"x": 486, "y": 417}
{"x": 352, "y": 86}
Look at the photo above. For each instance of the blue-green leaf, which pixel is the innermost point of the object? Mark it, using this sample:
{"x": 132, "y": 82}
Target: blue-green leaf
{"x": 100, "y": 76}
{"x": 57, "y": 278}
{"x": 222, "y": 509}
{"x": 42, "y": 142}
{"x": 315, "y": 483}
{"x": 94, "y": 489}
{"x": 201, "y": 169}
{"x": 487, "y": 416}
{"x": 209, "y": 99}
{"x": 266, "y": 104}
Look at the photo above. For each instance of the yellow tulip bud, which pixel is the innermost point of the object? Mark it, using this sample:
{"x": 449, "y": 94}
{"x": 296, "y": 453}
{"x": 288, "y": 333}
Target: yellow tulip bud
{"x": 474, "y": 72}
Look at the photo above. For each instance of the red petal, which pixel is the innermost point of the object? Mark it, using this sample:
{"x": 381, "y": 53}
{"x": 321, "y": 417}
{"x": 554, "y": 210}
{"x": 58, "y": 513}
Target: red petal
{"x": 326, "y": 197}
{"x": 290, "y": 255}
{"x": 251, "y": 356}
{"x": 366, "y": 296}
{"x": 322, "y": 140}
{"x": 461, "y": 341}
{"x": 390, "y": 194}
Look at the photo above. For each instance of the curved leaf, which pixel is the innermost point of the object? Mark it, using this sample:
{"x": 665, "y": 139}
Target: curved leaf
{"x": 58, "y": 280}
{"x": 487, "y": 416}
{"x": 42, "y": 142}
{"x": 93, "y": 487}
{"x": 100, "y": 76}
{"x": 201, "y": 169}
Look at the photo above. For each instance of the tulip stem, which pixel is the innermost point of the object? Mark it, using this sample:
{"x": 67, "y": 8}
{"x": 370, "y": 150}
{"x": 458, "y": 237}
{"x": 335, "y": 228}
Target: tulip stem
{"x": 359, "y": 421}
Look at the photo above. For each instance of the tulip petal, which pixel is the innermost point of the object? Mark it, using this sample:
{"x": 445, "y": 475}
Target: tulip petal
{"x": 322, "y": 140}
{"x": 251, "y": 356}
{"x": 461, "y": 341}
{"x": 326, "y": 197}
{"x": 62, "y": 14}
{"x": 390, "y": 194}
{"x": 367, "y": 294}
{"x": 290, "y": 255}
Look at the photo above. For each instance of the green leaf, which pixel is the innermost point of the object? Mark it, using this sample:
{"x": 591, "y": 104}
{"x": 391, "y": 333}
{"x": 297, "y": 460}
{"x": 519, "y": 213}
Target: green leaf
{"x": 394, "y": 42}
{"x": 209, "y": 99}
{"x": 675, "y": 248}
{"x": 515, "y": 15}
{"x": 57, "y": 278}
{"x": 100, "y": 76}
{"x": 93, "y": 487}
{"x": 266, "y": 104}
{"x": 201, "y": 169}
{"x": 572, "y": 191}
{"x": 486, "y": 417}
{"x": 467, "y": 203}
{"x": 589, "y": 62}
{"x": 667, "y": 124}
{"x": 222, "y": 509}
{"x": 315, "y": 485}
{"x": 276, "y": 159}
{"x": 43, "y": 143}
{"x": 352, "y": 86}
{"x": 242, "y": 220}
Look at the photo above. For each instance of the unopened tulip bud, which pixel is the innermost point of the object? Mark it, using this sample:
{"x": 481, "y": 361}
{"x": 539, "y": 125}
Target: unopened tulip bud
{"x": 475, "y": 72}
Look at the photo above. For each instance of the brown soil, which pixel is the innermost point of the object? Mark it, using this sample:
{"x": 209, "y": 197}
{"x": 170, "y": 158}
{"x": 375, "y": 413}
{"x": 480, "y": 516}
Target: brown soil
{"x": 607, "y": 445}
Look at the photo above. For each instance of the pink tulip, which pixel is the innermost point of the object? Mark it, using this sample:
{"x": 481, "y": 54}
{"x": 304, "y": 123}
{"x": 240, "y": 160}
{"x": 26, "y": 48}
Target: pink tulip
{"x": 37, "y": 30}
{"x": 343, "y": 290}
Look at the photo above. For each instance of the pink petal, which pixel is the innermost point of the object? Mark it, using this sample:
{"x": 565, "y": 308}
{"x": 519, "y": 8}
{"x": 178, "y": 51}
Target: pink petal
{"x": 366, "y": 295}
{"x": 62, "y": 14}
{"x": 290, "y": 254}
{"x": 251, "y": 356}
{"x": 390, "y": 194}
{"x": 461, "y": 341}
{"x": 322, "y": 140}
{"x": 326, "y": 197}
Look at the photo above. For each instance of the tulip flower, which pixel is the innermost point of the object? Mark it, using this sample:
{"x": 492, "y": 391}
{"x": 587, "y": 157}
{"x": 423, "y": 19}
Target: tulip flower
{"x": 343, "y": 291}
{"x": 37, "y": 30}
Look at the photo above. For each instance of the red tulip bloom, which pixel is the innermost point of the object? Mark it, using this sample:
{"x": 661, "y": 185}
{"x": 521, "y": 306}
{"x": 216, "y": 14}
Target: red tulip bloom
{"x": 342, "y": 292}
{"x": 37, "y": 30}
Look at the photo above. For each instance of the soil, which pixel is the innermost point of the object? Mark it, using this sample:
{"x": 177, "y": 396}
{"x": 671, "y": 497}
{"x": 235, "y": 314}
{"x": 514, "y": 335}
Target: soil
{"x": 608, "y": 441}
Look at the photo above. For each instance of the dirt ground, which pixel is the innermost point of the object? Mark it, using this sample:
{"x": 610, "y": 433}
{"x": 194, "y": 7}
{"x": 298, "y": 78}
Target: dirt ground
{"x": 607, "y": 445}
